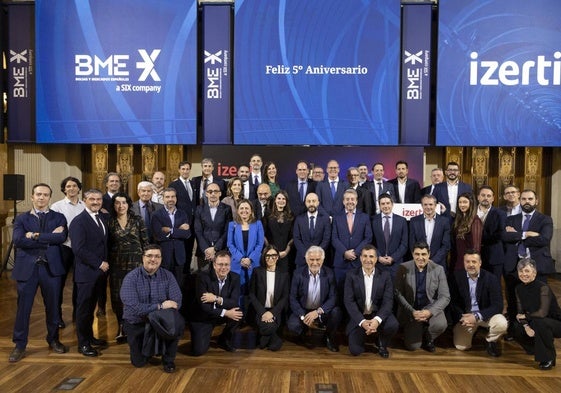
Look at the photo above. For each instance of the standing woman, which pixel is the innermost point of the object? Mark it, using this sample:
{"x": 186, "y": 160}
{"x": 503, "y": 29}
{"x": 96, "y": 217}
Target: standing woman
{"x": 127, "y": 239}
{"x": 271, "y": 179}
{"x": 268, "y": 294}
{"x": 538, "y": 319}
{"x": 466, "y": 231}
{"x": 245, "y": 242}
{"x": 234, "y": 194}
{"x": 278, "y": 230}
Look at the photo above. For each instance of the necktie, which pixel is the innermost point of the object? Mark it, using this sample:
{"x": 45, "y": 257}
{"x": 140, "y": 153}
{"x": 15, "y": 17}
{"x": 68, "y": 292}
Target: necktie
{"x": 42, "y": 219}
{"x": 220, "y": 286}
{"x": 256, "y": 180}
{"x": 189, "y": 189}
{"x": 203, "y": 193}
{"x": 99, "y": 223}
{"x": 525, "y": 225}
{"x": 379, "y": 189}
{"x": 312, "y": 225}
{"x": 350, "y": 221}
{"x": 333, "y": 190}
{"x": 387, "y": 232}
{"x": 301, "y": 191}
{"x": 315, "y": 291}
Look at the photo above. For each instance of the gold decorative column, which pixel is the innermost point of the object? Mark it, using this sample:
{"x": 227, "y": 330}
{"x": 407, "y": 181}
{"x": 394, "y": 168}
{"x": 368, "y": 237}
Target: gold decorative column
{"x": 100, "y": 161}
{"x": 480, "y": 166}
{"x": 533, "y": 168}
{"x": 507, "y": 167}
{"x": 174, "y": 157}
{"x": 149, "y": 161}
{"x": 125, "y": 165}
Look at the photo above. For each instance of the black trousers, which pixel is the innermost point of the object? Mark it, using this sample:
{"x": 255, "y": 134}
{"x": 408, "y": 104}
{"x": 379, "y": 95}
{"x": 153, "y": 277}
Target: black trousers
{"x": 201, "y": 332}
{"x": 542, "y": 344}
{"x": 135, "y": 339}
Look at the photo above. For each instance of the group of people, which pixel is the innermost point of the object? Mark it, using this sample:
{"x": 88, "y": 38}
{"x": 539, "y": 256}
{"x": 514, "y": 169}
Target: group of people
{"x": 311, "y": 254}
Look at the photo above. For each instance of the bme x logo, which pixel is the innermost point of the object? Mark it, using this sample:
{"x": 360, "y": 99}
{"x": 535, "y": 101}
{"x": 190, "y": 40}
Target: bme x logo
{"x": 213, "y": 58}
{"x": 413, "y": 58}
{"x": 148, "y": 65}
{"x": 18, "y": 57}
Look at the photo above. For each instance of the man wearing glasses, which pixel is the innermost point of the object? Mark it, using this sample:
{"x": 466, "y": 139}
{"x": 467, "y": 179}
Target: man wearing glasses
{"x": 511, "y": 196}
{"x": 211, "y": 225}
{"x": 446, "y": 193}
{"x": 152, "y": 296}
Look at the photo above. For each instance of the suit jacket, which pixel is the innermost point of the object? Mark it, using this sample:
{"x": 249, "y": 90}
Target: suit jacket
{"x": 538, "y": 245}
{"x": 412, "y": 191}
{"x": 252, "y": 190}
{"x": 173, "y": 246}
{"x": 47, "y": 244}
{"x": 487, "y": 292}
{"x": 208, "y": 282}
{"x": 255, "y": 242}
{"x": 441, "y": 193}
{"x": 440, "y": 241}
{"x": 492, "y": 248}
{"x": 299, "y": 290}
{"x": 355, "y": 296}
{"x": 303, "y": 239}
{"x": 151, "y": 208}
{"x": 258, "y": 292}
{"x": 197, "y": 182}
{"x": 209, "y": 232}
{"x": 397, "y": 246}
{"x": 89, "y": 244}
{"x": 257, "y": 209}
{"x": 332, "y": 205}
{"x": 436, "y": 288}
{"x": 364, "y": 200}
{"x": 426, "y": 190}
{"x": 106, "y": 203}
{"x": 343, "y": 240}
{"x": 296, "y": 203}
{"x": 183, "y": 201}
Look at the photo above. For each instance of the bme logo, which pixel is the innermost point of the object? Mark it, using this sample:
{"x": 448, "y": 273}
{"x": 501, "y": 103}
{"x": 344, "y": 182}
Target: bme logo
{"x": 213, "y": 58}
{"x": 18, "y": 57}
{"x": 117, "y": 65}
{"x": 413, "y": 58}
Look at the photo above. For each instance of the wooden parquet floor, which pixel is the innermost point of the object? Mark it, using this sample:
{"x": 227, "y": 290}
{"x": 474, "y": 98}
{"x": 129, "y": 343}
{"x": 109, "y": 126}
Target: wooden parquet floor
{"x": 293, "y": 369}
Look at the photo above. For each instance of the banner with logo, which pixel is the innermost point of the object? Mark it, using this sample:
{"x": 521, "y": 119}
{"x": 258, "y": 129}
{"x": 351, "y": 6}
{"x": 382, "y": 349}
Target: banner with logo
{"x": 116, "y": 71}
{"x": 316, "y": 72}
{"x": 499, "y": 73}
{"x": 20, "y": 56}
{"x": 217, "y": 26}
{"x": 416, "y": 21}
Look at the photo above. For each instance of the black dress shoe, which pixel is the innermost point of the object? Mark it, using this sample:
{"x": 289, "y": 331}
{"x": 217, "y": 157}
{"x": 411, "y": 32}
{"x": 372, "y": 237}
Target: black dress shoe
{"x": 58, "y": 347}
{"x": 61, "y": 325}
{"x": 169, "y": 368}
{"x": 493, "y": 349}
{"x": 547, "y": 365}
{"x": 226, "y": 345}
{"x": 429, "y": 346}
{"x": 98, "y": 342}
{"x": 331, "y": 345}
{"x": 87, "y": 350}
{"x": 509, "y": 337}
{"x": 16, "y": 355}
{"x": 383, "y": 352}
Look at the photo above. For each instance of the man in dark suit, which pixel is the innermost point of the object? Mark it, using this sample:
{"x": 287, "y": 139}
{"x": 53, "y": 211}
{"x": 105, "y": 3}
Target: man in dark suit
{"x": 312, "y": 228}
{"x": 256, "y": 166}
{"x": 38, "y": 235}
{"x": 261, "y": 206}
{"x": 380, "y": 186}
{"x": 249, "y": 190}
{"x": 330, "y": 192}
{"x": 511, "y": 195}
{"x": 407, "y": 190}
{"x": 477, "y": 301}
{"x": 422, "y": 294}
{"x": 436, "y": 177}
{"x": 364, "y": 195}
{"x": 171, "y": 227}
{"x": 211, "y": 226}
{"x": 433, "y": 229}
{"x": 351, "y": 231}
{"x": 144, "y": 207}
{"x": 299, "y": 188}
{"x": 493, "y": 219}
{"x": 526, "y": 235}
{"x": 313, "y": 299}
{"x": 363, "y": 176}
{"x": 447, "y": 193}
{"x": 88, "y": 232}
{"x": 218, "y": 293}
{"x": 390, "y": 236}
{"x": 369, "y": 314}
{"x": 201, "y": 182}
{"x": 186, "y": 201}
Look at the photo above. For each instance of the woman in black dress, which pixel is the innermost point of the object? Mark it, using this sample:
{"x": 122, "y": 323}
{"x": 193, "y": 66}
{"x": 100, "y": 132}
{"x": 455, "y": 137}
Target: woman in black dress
{"x": 278, "y": 230}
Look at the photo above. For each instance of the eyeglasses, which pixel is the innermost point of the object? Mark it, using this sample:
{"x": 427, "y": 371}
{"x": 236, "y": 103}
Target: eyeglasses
{"x": 212, "y": 191}
{"x": 271, "y": 256}
{"x": 153, "y": 256}
{"x": 222, "y": 264}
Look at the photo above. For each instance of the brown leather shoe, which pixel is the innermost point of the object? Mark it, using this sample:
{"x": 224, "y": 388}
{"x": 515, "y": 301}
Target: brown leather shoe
{"x": 16, "y": 355}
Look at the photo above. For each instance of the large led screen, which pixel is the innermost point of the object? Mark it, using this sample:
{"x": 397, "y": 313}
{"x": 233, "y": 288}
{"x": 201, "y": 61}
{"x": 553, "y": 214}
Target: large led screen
{"x": 322, "y": 72}
{"x": 116, "y": 71}
{"x": 499, "y": 73}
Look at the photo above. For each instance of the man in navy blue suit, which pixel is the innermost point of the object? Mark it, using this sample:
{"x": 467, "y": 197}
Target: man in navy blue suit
{"x": 390, "y": 236}
{"x": 351, "y": 231}
{"x": 313, "y": 299}
{"x": 200, "y": 183}
{"x": 38, "y": 235}
{"x": 311, "y": 228}
{"x": 330, "y": 192}
{"x": 88, "y": 232}
{"x": 300, "y": 187}
{"x": 380, "y": 186}
{"x": 433, "y": 229}
{"x": 447, "y": 192}
{"x": 407, "y": 190}
{"x": 493, "y": 219}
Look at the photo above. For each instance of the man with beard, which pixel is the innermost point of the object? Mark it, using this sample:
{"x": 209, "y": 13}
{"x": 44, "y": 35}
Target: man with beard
{"x": 447, "y": 193}
{"x": 493, "y": 219}
{"x": 311, "y": 228}
{"x": 158, "y": 180}
{"x": 407, "y": 190}
{"x": 527, "y": 235}
{"x": 249, "y": 190}
{"x": 436, "y": 177}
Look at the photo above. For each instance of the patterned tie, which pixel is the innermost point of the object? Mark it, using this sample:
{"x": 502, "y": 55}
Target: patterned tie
{"x": 387, "y": 232}
{"x": 312, "y": 225}
{"x": 525, "y": 225}
{"x": 99, "y": 223}
{"x": 333, "y": 190}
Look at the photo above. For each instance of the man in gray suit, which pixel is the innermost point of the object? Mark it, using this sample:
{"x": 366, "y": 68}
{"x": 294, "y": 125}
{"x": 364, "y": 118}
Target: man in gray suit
{"x": 422, "y": 293}
{"x": 144, "y": 207}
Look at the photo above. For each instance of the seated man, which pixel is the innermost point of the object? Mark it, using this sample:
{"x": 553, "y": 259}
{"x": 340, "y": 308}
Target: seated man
{"x": 422, "y": 294}
{"x": 369, "y": 302}
{"x": 313, "y": 299}
{"x": 477, "y": 301}
{"x": 151, "y": 294}
{"x": 217, "y": 302}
